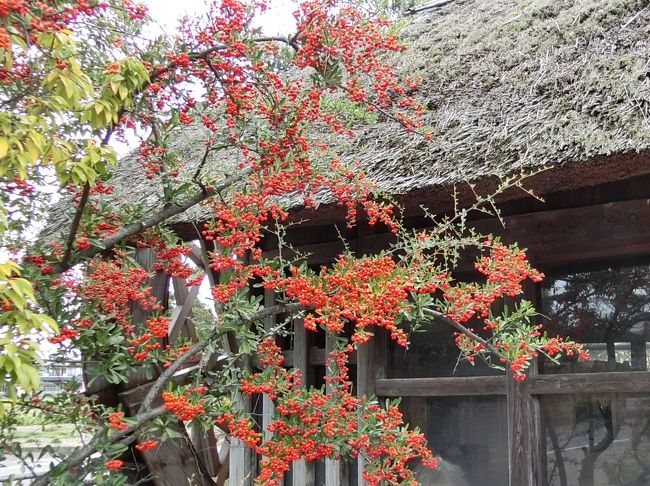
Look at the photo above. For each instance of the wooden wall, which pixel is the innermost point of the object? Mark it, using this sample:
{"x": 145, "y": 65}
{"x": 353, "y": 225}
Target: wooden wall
{"x": 572, "y": 230}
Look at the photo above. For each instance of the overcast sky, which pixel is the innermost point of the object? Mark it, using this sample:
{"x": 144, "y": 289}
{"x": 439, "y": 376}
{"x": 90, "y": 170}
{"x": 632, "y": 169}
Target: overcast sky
{"x": 277, "y": 20}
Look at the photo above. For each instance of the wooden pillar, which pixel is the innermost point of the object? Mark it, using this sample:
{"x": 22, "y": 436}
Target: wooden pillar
{"x": 336, "y": 471}
{"x": 524, "y": 426}
{"x": 520, "y": 433}
{"x": 241, "y": 456}
{"x": 303, "y": 471}
{"x": 371, "y": 365}
{"x": 268, "y": 407}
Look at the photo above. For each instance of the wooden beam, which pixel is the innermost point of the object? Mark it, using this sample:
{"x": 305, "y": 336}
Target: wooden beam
{"x": 553, "y": 238}
{"x": 207, "y": 452}
{"x": 181, "y": 313}
{"x": 197, "y": 256}
{"x": 318, "y": 356}
{"x": 570, "y": 383}
{"x": 180, "y": 290}
{"x": 174, "y": 461}
{"x": 318, "y": 253}
{"x": 440, "y": 387}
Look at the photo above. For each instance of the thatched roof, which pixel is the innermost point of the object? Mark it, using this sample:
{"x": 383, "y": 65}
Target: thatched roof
{"x": 520, "y": 84}
{"x": 510, "y": 84}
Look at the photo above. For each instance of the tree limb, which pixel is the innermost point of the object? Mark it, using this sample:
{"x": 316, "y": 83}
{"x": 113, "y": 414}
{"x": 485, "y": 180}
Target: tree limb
{"x": 220, "y": 47}
{"x": 82, "y": 454}
{"x": 159, "y": 217}
{"x": 439, "y": 316}
{"x": 74, "y": 227}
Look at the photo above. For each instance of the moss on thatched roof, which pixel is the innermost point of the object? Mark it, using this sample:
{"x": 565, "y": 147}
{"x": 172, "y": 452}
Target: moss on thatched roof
{"x": 519, "y": 84}
{"x": 510, "y": 84}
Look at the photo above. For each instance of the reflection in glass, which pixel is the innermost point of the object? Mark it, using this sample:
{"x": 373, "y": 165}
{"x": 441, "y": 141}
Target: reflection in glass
{"x": 468, "y": 434}
{"x": 596, "y": 440}
{"x": 608, "y": 311}
{"x": 432, "y": 353}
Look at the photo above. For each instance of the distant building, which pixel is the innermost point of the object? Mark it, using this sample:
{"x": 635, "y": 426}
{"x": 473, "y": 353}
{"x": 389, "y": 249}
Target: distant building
{"x": 54, "y": 375}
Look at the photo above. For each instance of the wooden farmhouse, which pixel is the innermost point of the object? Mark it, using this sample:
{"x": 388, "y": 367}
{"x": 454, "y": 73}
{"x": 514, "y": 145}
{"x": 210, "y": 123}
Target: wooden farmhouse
{"x": 559, "y": 89}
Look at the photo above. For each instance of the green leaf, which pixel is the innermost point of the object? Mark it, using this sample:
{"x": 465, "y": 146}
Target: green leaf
{"x": 4, "y": 147}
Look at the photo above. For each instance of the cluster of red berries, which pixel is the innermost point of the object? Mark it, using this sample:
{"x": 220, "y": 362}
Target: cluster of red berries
{"x": 147, "y": 444}
{"x": 114, "y": 464}
{"x": 65, "y": 333}
{"x": 115, "y": 421}
{"x": 181, "y": 406}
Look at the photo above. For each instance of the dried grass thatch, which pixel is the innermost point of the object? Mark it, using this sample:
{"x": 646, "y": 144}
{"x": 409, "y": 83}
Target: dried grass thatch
{"x": 510, "y": 84}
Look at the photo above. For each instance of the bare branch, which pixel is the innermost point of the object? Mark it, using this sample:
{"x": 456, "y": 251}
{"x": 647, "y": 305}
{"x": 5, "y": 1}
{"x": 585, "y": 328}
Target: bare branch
{"x": 162, "y": 215}
{"x": 74, "y": 227}
{"x": 220, "y": 47}
{"x": 439, "y": 316}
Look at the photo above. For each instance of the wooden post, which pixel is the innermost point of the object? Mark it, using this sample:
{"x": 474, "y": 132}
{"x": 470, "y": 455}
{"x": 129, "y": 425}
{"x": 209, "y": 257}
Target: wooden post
{"x": 371, "y": 366}
{"x": 241, "y": 470}
{"x": 268, "y": 407}
{"x": 303, "y": 471}
{"x": 520, "y": 433}
{"x": 336, "y": 471}
{"x": 241, "y": 463}
{"x": 524, "y": 425}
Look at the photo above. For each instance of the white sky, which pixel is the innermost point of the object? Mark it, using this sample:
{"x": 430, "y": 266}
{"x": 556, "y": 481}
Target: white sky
{"x": 277, "y": 20}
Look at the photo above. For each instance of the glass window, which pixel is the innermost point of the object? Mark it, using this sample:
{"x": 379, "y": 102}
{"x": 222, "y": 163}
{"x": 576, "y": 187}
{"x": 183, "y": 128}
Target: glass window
{"x": 469, "y": 435}
{"x": 596, "y": 440}
{"x": 607, "y": 310}
{"x": 432, "y": 353}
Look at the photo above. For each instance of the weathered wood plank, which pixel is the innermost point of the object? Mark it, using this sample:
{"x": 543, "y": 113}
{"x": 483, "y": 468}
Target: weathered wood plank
{"x": 205, "y": 444}
{"x": 520, "y": 433}
{"x": 181, "y": 313}
{"x": 180, "y": 290}
{"x": 579, "y": 234}
{"x": 614, "y": 382}
{"x": 318, "y": 356}
{"x": 268, "y": 406}
{"x": 570, "y": 235}
{"x": 224, "y": 458}
{"x": 440, "y": 387}
{"x": 196, "y": 255}
{"x": 371, "y": 366}
{"x": 319, "y": 253}
{"x": 336, "y": 471}
{"x": 173, "y": 460}
{"x": 241, "y": 458}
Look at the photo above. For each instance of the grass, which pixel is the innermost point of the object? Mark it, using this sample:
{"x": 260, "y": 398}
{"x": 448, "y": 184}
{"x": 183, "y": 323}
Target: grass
{"x": 61, "y": 435}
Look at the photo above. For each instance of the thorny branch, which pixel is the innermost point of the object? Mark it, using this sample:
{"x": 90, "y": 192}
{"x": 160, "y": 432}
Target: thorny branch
{"x": 439, "y": 316}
